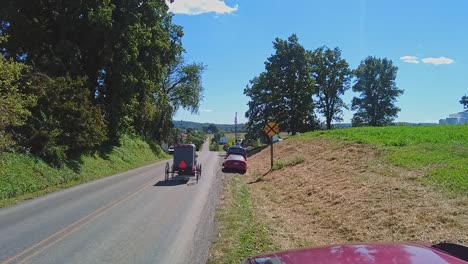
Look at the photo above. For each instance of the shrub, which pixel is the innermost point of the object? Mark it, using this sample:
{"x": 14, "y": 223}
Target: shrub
{"x": 278, "y": 165}
{"x": 13, "y": 100}
{"x": 226, "y": 146}
{"x": 64, "y": 121}
{"x": 289, "y": 163}
{"x": 197, "y": 138}
{"x": 214, "y": 147}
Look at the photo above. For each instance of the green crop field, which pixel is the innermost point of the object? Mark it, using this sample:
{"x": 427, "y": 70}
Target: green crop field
{"x": 443, "y": 150}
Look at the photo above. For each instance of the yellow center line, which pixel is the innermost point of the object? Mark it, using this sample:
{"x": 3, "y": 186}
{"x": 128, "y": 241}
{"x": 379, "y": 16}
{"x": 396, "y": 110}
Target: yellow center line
{"x": 66, "y": 231}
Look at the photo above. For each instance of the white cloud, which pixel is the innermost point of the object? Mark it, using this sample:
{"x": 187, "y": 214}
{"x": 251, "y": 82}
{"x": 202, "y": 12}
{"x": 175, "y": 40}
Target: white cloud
{"x": 410, "y": 59}
{"x": 437, "y": 61}
{"x": 206, "y": 110}
{"x": 197, "y": 7}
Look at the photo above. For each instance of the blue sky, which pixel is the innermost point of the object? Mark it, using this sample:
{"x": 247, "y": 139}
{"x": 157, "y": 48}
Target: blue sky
{"x": 427, "y": 40}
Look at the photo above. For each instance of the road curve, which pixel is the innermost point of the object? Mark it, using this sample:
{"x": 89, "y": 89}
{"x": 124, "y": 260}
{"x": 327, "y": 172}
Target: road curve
{"x": 131, "y": 217}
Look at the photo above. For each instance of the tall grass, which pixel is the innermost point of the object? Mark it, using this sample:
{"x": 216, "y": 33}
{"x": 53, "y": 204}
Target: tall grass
{"x": 442, "y": 150}
{"x": 22, "y": 174}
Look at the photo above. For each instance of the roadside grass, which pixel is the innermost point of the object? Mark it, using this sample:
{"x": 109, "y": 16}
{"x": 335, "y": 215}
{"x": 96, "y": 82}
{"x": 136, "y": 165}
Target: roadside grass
{"x": 441, "y": 150}
{"x": 24, "y": 177}
{"x": 277, "y": 165}
{"x": 240, "y": 233}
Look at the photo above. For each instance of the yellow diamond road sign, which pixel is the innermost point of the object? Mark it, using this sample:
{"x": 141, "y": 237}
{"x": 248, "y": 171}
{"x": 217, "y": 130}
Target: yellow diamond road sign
{"x": 271, "y": 129}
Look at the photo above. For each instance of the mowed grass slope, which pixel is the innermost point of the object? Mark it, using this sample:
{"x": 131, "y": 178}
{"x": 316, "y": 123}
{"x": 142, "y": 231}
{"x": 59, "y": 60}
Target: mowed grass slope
{"x": 442, "y": 151}
{"x": 25, "y": 176}
{"x": 354, "y": 185}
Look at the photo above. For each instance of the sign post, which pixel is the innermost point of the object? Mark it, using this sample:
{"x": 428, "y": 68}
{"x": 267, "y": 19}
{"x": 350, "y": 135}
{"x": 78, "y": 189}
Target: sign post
{"x": 271, "y": 156}
{"x": 271, "y": 129}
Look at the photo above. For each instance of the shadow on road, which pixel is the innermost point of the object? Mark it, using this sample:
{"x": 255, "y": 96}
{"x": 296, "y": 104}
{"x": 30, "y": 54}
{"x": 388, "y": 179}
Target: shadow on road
{"x": 173, "y": 182}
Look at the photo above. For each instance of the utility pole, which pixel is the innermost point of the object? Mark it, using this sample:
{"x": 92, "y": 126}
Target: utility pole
{"x": 235, "y": 127}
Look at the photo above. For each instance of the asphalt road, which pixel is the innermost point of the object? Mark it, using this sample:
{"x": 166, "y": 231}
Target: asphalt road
{"x": 132, "y": 217}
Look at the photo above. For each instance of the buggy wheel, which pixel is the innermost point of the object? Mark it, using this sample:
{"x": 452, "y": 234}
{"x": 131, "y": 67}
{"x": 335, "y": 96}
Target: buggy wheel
{"x": 197, "y": 175}
{"x": 166, "y": 175}
{"x": 200, "y": 170}
{"x": 173, "y": 171}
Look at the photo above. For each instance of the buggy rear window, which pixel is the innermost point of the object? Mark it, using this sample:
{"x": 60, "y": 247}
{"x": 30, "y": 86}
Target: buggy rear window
{"x": 236, "y": 157}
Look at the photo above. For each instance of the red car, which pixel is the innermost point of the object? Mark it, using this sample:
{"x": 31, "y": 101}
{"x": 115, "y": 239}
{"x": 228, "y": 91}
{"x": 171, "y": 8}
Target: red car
{"x": 235, "y": 163}
{"x": 378, "y": 253}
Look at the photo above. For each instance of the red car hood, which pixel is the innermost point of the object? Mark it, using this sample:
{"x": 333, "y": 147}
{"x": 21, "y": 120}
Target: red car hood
{"x": 407, "y": 253}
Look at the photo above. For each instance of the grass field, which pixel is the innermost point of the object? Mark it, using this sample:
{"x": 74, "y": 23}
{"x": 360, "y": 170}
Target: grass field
{"x": 350, "y": 185}
{"x": 442, "y": 149}
{"x": 24, "y": 176}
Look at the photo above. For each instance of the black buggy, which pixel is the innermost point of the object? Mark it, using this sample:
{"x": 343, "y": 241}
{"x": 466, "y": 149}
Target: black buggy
{"x": 184, "y": 163}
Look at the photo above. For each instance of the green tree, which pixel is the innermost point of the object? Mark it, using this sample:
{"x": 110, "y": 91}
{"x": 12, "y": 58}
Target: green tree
{"x": 122, "y": 48}
{"x": 464, "y": 101}
{"x": 175, "y": 136}
{"x": 182, "y": 83}
{"x": 375, "y": 81}
{"x": 260, "y": 110}
{"x": 211, "y": 128}
{"x": 141, "y": 42}
{"x": 181, "y": 88}
{"x": 63, "y": 122}
{"x": 332, "y": 79}
{"x": 217, "y": 137}
{"x": 43, "y": 34}
{"x": 283, "y": 93}
{"x": 14, "y": 102}
{"x": 195, "y": 137}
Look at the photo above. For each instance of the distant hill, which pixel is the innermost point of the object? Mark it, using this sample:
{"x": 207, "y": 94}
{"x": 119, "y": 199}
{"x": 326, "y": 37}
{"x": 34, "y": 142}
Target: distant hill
{"x": 199, "y": 126}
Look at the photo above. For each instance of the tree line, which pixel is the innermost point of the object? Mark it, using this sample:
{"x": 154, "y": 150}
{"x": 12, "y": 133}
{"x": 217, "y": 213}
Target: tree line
{"x": 464, "y": 102}
{"x": 298, "y": 85}
{"x": 77, "y": 74}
